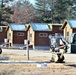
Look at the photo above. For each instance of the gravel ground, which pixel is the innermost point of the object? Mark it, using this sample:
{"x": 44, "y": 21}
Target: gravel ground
{"x": 67, "y": 68}
{"x": 32, "y": 69}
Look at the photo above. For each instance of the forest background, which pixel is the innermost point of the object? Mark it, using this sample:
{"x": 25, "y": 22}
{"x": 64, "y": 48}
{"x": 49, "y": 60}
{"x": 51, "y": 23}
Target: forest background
{"x": 42, "y": 11}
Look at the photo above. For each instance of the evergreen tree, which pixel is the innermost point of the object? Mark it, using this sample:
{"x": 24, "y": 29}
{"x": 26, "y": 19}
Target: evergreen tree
{"x": 42, "y": 10}
{"x": 0, "y": 14}
{"x": 74, "y": 10}
{"x": 5, "y": 12}
{"x": 55, "y": 10}
{"x": 62, "y": 10}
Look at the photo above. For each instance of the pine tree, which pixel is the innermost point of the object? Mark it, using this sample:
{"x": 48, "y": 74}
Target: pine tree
{"x": 43, "y": 11}
{"x": 74, "y": 9}
{"x": 5, "y": 12}
{"x": 0, "y": 14}
{"x": 62, "y": 10}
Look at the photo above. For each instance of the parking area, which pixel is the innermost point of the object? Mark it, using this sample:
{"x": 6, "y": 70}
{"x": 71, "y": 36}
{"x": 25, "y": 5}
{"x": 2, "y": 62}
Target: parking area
{"x": 31, "y": 52}
{"x": 38, "y": 55}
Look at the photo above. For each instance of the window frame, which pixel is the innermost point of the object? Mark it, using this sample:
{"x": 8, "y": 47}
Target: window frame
{"x": 30, "y": 37}
{"x": 20, "y": 34}
{"x": 43, "y": 34}
{"x": 67, "y": 33}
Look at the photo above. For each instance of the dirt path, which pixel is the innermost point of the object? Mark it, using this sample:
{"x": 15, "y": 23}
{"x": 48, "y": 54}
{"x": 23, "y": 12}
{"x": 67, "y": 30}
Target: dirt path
{"x": 32, "y": 69}
{"x": 67, "y": 68}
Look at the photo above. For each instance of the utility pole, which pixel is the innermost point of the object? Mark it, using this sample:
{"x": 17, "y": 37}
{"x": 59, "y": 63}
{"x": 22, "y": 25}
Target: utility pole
{"x": 26, "y": 42}
{"x": 27, "y": 53}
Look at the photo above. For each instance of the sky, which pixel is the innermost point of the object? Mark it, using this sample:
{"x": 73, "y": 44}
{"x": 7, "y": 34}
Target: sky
{"x": 32, "y": 1}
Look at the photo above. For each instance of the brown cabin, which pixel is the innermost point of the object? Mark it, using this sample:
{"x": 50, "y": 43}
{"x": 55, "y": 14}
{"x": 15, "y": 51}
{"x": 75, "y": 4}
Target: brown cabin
{"x": 69, "y": 27}
{"x": 38, "y": 34}
{"x": 56, "y": 28}
{"x": 16, "y": 34}
{"x": 3, "y": 34}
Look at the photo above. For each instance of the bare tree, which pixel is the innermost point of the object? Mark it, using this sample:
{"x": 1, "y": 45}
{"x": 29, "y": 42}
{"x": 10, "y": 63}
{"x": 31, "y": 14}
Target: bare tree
{"x": 23, "y": 12}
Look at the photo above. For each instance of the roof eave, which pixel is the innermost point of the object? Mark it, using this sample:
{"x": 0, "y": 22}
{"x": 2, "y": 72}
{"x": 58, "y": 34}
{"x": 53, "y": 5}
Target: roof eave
{"x": 27, "y": 28}
{"x": 18, "y": 30}
{"x": 7, "y": 28}
{"x": 64, "y": 24}
{"x": 43, "y": 30}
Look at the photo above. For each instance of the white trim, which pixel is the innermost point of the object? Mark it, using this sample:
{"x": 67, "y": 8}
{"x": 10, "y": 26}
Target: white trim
{"x": 3, "y": 26}
{"x": 57, "y": 24}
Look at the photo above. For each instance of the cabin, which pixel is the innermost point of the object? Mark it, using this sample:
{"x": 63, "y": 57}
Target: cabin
{"x": 69, "y": 27}
{"x": 38, "y": 34}
{"x": 16, "y": 34}
{"x": 3, "y": 34}
{"x": 56, "y": 28}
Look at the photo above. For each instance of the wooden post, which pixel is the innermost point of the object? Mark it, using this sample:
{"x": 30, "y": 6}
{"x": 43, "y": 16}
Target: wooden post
{"x": 26, "y": 42}
{"x": 27, "y": 53}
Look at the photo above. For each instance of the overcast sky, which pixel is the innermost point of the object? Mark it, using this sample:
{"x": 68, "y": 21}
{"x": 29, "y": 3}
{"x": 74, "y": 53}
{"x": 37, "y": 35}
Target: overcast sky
{"x": 32, "y": 1}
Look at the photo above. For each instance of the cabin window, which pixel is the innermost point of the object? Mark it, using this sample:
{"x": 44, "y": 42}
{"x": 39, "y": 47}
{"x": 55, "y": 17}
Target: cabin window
{"x": 67, "y": 33}
{"x": 30, "y": 37}
{"x": 9, "y": 34}
{"x": 20, "y": 34}
{"x": 67, "y": 36}
{"x": 43, "y": 34}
